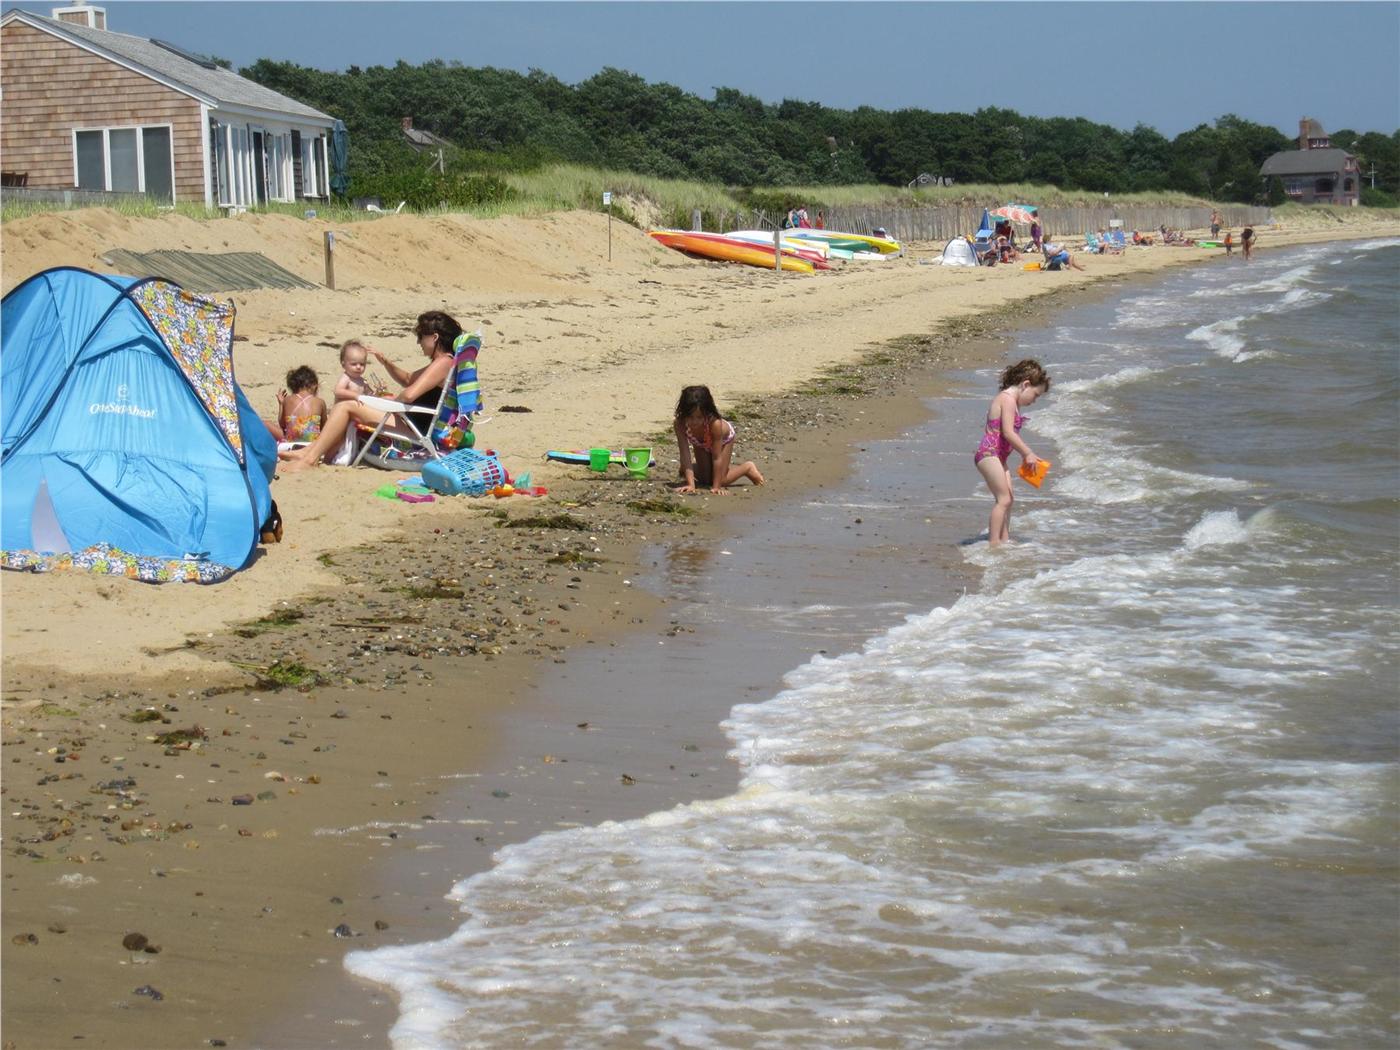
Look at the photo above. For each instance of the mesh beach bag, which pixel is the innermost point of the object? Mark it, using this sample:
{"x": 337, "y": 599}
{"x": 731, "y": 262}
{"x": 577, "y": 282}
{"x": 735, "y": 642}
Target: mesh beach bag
{"x": 465, "y": 472}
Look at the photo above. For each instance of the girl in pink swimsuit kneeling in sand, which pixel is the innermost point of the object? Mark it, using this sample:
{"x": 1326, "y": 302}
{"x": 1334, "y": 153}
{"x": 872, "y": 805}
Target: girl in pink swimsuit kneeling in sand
{"x": 706, "y": 441}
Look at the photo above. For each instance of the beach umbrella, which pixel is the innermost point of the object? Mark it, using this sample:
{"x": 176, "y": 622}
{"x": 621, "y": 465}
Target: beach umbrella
{"x": 340, "y": 158}
{"x": 1022, "y": 213}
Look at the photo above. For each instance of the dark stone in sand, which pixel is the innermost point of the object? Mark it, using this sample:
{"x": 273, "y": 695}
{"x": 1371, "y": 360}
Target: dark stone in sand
{"x": 242, "y": 800}
{"x": 344, "y": 931}
{"x": 135, "y": 942}
{"x": 146, "y": 989}
{"x": 380, "y": 924}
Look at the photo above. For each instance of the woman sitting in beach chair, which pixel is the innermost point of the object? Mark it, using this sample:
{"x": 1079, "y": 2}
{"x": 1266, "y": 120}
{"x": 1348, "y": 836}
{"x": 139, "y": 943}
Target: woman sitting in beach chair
{"x": 423, "y": 390}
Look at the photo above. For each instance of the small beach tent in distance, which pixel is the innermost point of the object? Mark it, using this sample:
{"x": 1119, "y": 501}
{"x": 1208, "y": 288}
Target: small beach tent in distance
{"x": 127, "y": 446}
{"x": 958, "y": 252}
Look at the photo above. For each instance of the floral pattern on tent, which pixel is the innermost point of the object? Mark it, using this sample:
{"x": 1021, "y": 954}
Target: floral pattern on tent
{"x": 199, "y": 333}
{"x": 104, "y": 560}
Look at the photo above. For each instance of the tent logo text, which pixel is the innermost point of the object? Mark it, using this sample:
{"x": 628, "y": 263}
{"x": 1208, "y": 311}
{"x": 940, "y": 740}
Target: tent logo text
{"x": 120, "y": 407}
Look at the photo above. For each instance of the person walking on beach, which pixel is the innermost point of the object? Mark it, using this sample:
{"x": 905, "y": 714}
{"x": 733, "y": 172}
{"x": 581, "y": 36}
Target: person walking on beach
{"x": 1214, "y": 224}
{"x": 706, "y": 444}
{"x": 1247, "y": 242}
{"x": 1021, "y": 385}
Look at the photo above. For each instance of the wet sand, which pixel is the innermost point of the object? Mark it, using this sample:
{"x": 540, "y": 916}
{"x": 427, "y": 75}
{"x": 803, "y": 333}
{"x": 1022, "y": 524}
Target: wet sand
{"x": 440, "y": 713}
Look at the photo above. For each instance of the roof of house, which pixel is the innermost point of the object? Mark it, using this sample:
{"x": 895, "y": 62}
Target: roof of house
{"x": 1306, "y": 162}
{"x": 222, "y": 86}
{"x": 417, "y": 138}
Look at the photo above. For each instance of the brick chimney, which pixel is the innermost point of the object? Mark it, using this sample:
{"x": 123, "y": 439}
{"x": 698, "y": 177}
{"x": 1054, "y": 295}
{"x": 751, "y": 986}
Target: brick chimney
{"x": 407, "y": 123}
{"x": 1303, "y": 132}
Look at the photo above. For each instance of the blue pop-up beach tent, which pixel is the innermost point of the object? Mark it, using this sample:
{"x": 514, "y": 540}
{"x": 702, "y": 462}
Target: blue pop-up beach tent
{"x": 126, "y": 446}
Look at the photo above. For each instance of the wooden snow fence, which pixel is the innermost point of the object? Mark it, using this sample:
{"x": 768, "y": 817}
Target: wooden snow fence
{"x": 942, "y": 224}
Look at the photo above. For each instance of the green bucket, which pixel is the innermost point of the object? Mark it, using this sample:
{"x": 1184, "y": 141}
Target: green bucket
{"x": 637, "y": 460}
{"x": 599, "y": 458}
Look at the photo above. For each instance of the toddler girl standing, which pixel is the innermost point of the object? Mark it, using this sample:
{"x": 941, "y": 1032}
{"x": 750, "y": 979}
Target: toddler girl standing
{"x": 1021, "y": 385}
{"x": 706, "y": 441}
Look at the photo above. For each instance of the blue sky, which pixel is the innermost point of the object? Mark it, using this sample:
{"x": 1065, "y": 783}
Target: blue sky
{"x": 1170, "y": 65}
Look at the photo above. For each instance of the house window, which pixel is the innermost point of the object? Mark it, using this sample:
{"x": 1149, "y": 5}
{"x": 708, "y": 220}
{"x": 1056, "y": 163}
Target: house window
{"x": 1322, "y": 186}
{"x": 313, "y": 167}
{"x": 125, "y": 160}
{"x": 1348, "y": 185}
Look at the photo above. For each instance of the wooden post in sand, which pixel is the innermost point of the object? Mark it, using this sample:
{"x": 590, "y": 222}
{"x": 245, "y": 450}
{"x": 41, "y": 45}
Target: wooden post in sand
{"x": 330, "y": 260}
{"x": 607, "y": 200}
{"x": 778, "y": 250}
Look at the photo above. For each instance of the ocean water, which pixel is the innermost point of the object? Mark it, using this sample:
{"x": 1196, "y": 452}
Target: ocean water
{"x": 1139, "y": 789}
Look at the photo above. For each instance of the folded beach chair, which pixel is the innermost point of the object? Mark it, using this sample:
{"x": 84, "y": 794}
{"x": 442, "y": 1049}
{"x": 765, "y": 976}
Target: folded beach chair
{"x": 422, "y": 433}
{"x": 1120, "y": 240}
{"x": 1092, "y": 243}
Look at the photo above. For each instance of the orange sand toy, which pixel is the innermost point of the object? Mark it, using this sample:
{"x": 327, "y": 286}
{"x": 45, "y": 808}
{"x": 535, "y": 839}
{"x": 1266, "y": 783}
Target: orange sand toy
{"x": 1037, "y": 475}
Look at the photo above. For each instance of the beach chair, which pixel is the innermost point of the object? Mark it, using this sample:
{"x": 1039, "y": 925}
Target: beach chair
{"x": 421, "y": 433}
{"x": 1092, "y": 243}
{"x": 1120, "y": 240}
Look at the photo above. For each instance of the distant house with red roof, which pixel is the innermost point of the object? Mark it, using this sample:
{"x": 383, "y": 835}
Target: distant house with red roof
{"x": 1315, "y": 172}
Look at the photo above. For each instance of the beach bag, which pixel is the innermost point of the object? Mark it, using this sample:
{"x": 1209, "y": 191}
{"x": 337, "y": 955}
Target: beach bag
{"x": 465, "y": 472}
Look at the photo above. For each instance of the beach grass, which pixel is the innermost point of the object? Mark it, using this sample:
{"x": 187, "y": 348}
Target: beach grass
{"x": 647, "y": 200}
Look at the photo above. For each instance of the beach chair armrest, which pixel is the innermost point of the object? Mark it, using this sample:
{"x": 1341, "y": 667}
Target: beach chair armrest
{"x": 385, "y": 404}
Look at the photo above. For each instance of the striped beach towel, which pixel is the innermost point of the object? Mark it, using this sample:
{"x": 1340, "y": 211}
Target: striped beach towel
{"x": 462, "y": 398}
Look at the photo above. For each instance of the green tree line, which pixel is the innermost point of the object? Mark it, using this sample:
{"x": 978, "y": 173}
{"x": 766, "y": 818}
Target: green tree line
{"x": 502, "y": 120}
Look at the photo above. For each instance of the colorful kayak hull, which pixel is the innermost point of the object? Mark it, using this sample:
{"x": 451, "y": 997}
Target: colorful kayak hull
{"x": 883, "y": 245}
{"x": 713, "y": 246}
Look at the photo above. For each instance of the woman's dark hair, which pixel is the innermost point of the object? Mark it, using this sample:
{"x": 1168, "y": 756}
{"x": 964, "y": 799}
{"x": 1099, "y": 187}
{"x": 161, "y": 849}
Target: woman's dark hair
{"x": 1029, "y": 370}
{"x": 696, "y": 399}
{"x": 303, "y": 377}
{"x": 440, "y": 324}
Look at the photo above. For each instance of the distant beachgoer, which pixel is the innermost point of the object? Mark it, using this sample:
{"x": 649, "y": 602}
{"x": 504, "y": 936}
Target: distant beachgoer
{"x": 1035, "y": 236}
{"x": 706, "y": 443}
{"x": 1247, "y": 242}
{"x": 1229, "y": 242}
{"x": 803, "y": 223}
{"x": 821, "y": 220}
{"x": 790, "y": 219}
{"x": 1058, "y": 253}
{"x": 1214, "y": 224}
{"x": 300, "y": 412}
{"x": 436, "y": 332}
{"x": 1021, "y": 385}
{"x": 354, "y": 358}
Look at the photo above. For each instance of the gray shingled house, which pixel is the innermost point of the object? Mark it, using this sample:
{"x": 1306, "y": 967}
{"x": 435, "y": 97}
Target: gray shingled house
{"x": 85, "y": 108}
{"x": 1315, "y": 172}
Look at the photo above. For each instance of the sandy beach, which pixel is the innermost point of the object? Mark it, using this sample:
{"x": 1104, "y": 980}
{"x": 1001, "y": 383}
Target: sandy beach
{"x": 205, "y": 787}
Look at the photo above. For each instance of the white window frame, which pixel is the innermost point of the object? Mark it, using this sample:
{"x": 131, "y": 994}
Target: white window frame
{"x": 106, "y": 131}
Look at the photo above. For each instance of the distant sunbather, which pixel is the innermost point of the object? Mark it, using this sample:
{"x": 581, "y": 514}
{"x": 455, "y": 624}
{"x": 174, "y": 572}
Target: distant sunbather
{"x": 1058, "y": 253}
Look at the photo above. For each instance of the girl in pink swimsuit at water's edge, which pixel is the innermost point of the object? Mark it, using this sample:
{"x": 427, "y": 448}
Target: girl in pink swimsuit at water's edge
{"x": 1021, "y": 385}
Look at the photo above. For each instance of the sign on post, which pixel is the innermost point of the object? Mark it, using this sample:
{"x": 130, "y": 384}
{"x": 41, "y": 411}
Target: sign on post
{"x": 607, "y": 203}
